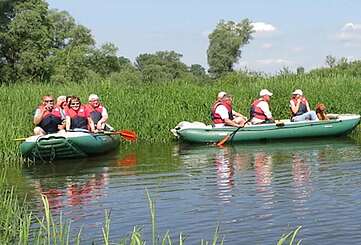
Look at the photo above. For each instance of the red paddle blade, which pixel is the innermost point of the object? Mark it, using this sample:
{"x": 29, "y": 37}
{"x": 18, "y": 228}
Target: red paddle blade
{"x": 127, "y": 134}
{"x": 224, "y": 140}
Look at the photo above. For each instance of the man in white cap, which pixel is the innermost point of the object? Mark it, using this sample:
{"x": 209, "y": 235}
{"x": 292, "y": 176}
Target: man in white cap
{"x": 260, "y": 111}
{"x": 300, "y": 108}
{"x": 98, "y": 113}
{"x": 221, "y": 115}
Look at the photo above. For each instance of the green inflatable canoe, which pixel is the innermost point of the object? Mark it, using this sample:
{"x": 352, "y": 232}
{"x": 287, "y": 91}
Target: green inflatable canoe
{"x": 68, "y": 145}
{"x": 339, "y": 125}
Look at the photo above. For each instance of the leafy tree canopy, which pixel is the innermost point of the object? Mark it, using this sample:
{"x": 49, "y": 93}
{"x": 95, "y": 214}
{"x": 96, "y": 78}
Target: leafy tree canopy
{"x": 225, "y": 43}
{"x": 166, "y": 63}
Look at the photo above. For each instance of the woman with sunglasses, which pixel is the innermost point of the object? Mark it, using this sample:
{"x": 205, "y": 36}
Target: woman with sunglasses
{"x": 78, "y": 116}
{"x": 47, "y": 117}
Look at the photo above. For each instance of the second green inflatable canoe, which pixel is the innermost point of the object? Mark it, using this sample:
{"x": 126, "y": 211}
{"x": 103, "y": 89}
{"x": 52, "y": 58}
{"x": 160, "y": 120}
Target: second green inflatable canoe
{"x": 342, "y": 124}
{"x": 68, "y": 145}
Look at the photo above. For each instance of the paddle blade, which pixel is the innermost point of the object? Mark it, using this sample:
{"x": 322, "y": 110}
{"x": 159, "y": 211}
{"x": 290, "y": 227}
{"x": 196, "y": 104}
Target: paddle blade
{"x": 224, "y": 140}
{"x": 126, "y": 134}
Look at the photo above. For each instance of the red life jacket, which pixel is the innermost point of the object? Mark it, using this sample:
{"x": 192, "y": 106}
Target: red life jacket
{"x": 302, "y": 109}
{"x": 50, "y": 121}
{"x": 256, "y": 111}
{"x": 216, "y": 118}
{"x": 95, "y": 113}
{"x": 79, "y": 118}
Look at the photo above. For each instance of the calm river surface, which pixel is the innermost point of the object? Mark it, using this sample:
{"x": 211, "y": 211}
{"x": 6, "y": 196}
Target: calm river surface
{"x": 254, "y": 192}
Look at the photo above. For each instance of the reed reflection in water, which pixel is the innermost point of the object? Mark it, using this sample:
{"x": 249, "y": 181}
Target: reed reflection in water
{"x": 255, "y": 192}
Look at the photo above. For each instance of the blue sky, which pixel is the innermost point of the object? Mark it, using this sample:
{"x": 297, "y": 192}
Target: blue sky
{"x": 288, "y": 33}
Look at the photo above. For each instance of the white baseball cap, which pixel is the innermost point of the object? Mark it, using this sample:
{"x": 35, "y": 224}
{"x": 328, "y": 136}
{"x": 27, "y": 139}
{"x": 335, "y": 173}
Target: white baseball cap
{"x": 221, "y": 95}
{"x": 298, "y": 91}
{"x": 265, "y": 92}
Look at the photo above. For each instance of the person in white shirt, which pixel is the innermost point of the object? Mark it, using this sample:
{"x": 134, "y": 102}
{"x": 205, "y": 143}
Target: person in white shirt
{"x": 222, "y": 113}
{"x": 260, "y": 111}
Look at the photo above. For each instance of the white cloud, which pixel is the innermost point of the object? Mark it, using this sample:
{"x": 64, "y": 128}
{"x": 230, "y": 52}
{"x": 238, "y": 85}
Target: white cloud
{"x": 351, "y": 27}
{"x": 350, "y": 33}
{"x": 260, "y": 27}
{"x": 273, "y": 62}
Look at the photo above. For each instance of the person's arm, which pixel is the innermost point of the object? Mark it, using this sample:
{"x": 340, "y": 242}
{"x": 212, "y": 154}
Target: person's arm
{"x": 307, "y": 105}
{"x": 38, "y": 116}
{"x": 91, "y": 124}
{"x": 229, "y": 122}
{"x": 265, "y": 108}
{"x": 104, "y": 116}
{"x": 237, "y": 114}
{"x": 294, "y": 107}
{"x": 67, "y": 123}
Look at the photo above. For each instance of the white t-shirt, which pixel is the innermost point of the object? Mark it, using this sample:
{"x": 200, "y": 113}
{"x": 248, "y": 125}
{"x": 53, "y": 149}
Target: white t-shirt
{"x": 222, "y": 111}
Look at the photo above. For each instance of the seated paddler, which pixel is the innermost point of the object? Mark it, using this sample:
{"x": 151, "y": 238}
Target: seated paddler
{"x": 47, "y": 118}
{"x": 260, "y": 111}
{"x": 222, "y": 113}
{"x": 300, "y": 108}
{"x": 98, "y": 113}
{"x": 77, "y": 116}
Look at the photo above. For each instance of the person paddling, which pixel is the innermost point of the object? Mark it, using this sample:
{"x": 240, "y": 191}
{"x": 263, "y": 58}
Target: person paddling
{"x": 300, "y": 108}
{"x": 222, "y": 113}
{"x": 237, "y": 117}
{"x": 47, "y": 117}
{"x": 260, "y": 111}
{"x": 98, "y": 112}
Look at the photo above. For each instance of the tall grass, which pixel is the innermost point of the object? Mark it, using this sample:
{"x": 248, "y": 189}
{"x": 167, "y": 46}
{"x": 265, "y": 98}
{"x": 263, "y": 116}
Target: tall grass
{"x": 152, "y": 109}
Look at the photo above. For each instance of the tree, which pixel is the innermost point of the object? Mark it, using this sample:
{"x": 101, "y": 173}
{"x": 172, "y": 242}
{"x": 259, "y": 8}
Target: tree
{"x": 197, "y": 70}
{"x": 26, "y": 43}
{"x": 330, "y": 61}
{"x": 225, "y": 43}
{"x": 300, "y": 70}
{"x": 163, "y": 65}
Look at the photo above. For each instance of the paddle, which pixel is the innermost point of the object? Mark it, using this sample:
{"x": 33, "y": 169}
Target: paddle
{"x": 126, "y": 134}
{"x": 229, "y": 136}
{"x": 20, "y": 139}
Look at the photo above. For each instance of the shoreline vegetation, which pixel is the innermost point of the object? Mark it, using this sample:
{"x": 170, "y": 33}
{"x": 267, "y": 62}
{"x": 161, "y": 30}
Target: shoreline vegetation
{"x": 44, "y": 51}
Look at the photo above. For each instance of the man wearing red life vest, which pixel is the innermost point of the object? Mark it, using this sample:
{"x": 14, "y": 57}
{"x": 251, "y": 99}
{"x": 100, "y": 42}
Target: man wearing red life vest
{"x": 300, "y": 108}
{"x": 47, "y": 117}
{"x": 260, "y": 112}
{"x": 222, "y": 113}
{"x": 98, "y": 112}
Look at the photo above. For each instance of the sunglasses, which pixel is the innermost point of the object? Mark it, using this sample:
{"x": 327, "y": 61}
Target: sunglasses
{"x": 48, "y": 101}
{"x": 75, "y": 104}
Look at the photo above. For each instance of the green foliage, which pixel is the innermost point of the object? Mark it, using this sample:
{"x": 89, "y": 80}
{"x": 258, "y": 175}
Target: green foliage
{"x": 225, "y": 43}
{"x": 197, "y": 70}
{"x": 161, "y": 66}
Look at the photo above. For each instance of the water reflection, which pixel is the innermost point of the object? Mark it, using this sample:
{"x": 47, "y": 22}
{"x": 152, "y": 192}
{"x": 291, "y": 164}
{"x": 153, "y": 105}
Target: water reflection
{"x": 67, "y": 190}
{"x": 254, "y": 191}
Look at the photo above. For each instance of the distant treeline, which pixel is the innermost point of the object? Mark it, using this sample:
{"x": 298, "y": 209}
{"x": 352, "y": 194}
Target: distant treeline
{"x": 38, "y": 44}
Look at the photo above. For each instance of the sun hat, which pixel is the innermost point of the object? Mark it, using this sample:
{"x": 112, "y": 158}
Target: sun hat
{"x": 93, "y": 97}
{"x": 221, "y": 95}
{"x": 265, "y": 92}
{"x": 298, "y": 91}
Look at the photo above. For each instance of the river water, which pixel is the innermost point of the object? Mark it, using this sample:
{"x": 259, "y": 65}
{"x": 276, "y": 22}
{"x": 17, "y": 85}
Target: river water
{"x": 254, "y": 192}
